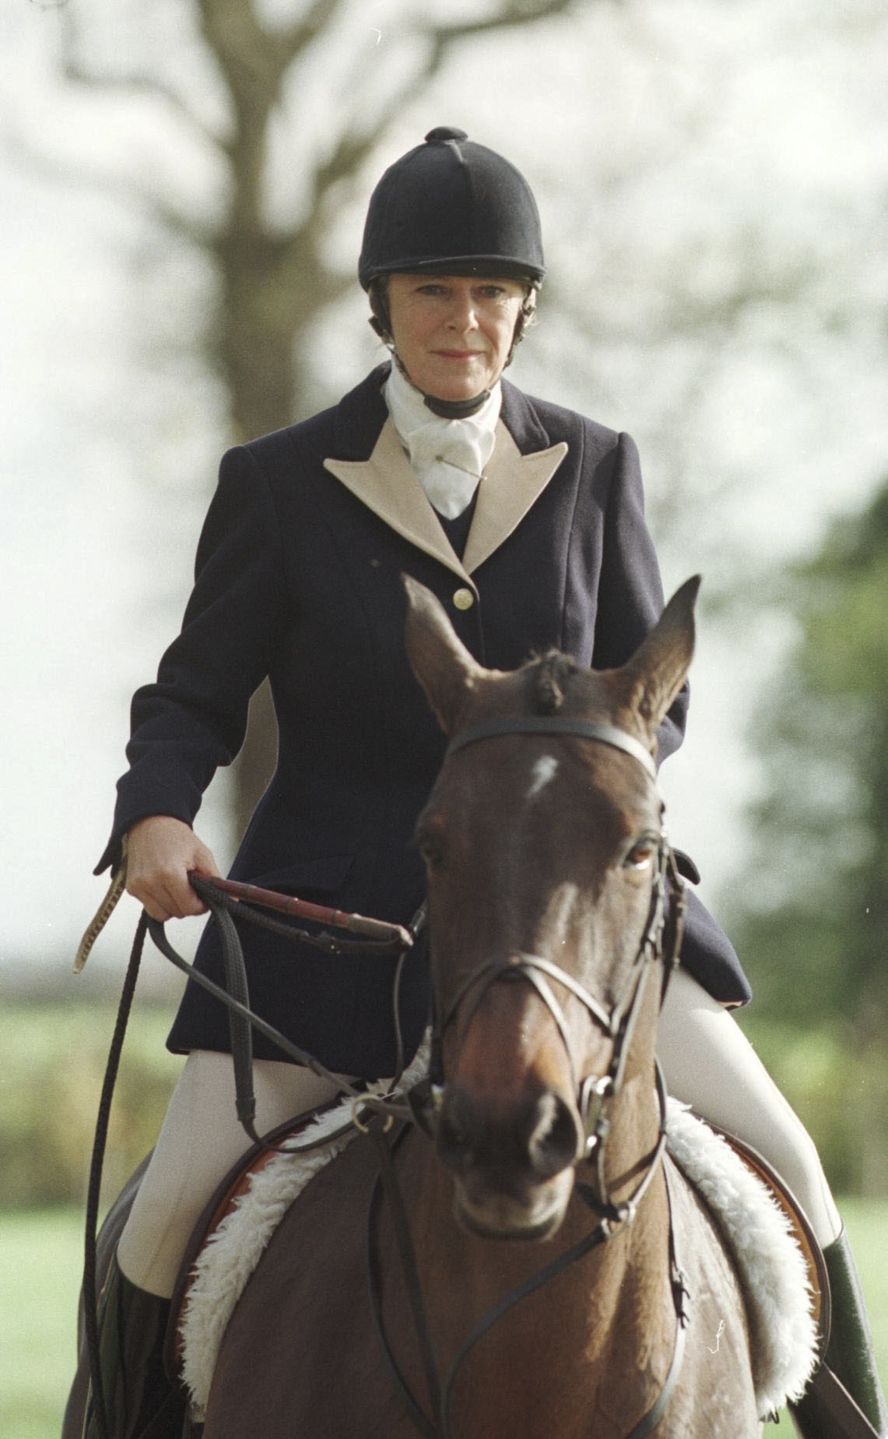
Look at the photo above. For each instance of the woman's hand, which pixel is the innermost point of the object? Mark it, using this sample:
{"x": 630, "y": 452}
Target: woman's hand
{"x": 160, "y": 851}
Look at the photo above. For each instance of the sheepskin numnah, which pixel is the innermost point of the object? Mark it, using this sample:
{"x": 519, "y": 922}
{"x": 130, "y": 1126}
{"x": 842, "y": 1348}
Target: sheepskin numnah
{"x": 771, "y": 1266}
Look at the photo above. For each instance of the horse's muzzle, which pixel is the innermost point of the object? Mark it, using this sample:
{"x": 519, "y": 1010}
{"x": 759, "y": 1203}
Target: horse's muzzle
{"x": 512, "y": 1161}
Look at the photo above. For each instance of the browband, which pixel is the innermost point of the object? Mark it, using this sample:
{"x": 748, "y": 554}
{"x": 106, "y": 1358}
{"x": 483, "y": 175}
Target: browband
{"x": 557, "y": 725}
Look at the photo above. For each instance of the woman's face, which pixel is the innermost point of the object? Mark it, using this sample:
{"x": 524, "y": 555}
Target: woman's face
{"x": 453, "y": 333}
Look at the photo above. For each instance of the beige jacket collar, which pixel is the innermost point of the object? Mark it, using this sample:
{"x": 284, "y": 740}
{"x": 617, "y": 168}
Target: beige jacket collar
{"x": 387, "y": 485}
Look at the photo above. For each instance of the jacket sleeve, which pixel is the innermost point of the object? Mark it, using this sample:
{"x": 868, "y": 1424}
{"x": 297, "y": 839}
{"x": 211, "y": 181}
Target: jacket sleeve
{"x": 193, "y": 718}
{"x": 630, "y": 598}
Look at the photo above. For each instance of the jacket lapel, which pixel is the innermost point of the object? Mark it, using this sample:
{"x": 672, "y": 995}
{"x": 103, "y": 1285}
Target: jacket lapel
{"x": 512, "y": 484}
{"x": 386, "y": 483}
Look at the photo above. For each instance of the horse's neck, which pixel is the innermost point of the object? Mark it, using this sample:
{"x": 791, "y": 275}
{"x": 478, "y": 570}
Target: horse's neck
{"x": 630, "y": 1269}
{"x": 609, "y": 1313}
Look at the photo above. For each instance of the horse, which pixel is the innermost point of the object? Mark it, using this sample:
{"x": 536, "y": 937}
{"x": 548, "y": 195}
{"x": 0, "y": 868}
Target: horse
{"x": 537, "y": 1265}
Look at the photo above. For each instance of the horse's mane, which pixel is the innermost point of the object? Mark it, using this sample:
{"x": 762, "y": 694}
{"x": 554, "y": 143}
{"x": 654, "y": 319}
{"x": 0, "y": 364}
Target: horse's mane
{"x": 549, "y": 675}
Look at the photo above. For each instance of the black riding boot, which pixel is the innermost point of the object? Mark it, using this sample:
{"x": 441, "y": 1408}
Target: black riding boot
{"x": 140, "y": 1401}
{"x": 824, "y": 1411}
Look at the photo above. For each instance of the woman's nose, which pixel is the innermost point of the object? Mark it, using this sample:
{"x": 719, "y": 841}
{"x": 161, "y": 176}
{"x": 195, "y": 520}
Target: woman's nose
{"x": 462, "y": 314}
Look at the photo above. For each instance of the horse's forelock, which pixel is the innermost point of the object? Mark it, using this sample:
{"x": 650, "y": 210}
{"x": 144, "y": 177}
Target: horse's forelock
{"x": 550, "y": 675}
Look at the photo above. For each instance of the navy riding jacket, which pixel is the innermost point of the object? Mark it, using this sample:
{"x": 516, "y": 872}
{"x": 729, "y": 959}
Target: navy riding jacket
{"x": 298, "y": 577}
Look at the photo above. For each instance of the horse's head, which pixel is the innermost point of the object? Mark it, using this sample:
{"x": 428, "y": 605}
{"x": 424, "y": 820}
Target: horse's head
{"x": 545, "y": 857}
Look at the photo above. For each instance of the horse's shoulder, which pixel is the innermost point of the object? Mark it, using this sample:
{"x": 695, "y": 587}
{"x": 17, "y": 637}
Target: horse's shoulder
{"x": 748, "y": 1276}
{"x": 701, "y": 1251}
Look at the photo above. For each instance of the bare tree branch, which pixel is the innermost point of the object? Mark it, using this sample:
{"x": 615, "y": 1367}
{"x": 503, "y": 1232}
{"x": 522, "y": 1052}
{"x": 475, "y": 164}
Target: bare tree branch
{"x": 126, "y": 82}
{"x": 514, "y": 12}
{"x": 300, "y": 35}
{"x": 254, "y": 59}
{"x": 76, "y": 176}
{"x": 357, "y": 141}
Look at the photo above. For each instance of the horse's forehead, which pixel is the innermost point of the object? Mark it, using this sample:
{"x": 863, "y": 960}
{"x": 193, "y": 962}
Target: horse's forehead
{"x": 589, "y": 694}
{"x": 541, "y": 768}
{"x": 594, "y": 696}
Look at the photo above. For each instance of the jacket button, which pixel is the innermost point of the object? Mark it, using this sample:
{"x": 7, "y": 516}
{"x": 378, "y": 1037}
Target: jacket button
{"x": 463, "y": 599}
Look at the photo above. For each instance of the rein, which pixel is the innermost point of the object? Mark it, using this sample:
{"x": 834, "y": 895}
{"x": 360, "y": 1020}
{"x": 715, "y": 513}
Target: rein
{"x": 224, "y": 897}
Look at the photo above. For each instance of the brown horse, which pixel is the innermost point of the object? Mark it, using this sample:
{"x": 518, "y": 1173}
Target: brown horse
{"x": 551, "y": 1264}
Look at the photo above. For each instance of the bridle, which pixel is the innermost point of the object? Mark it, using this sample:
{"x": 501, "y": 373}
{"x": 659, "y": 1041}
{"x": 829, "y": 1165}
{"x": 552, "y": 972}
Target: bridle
{"x": 660, "y": 940}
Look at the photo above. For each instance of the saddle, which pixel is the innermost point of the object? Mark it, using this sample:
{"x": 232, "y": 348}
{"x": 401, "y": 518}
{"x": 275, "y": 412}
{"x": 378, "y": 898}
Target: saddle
{"x": 319, "y": 1132}
{"x": 239, "y": 1221}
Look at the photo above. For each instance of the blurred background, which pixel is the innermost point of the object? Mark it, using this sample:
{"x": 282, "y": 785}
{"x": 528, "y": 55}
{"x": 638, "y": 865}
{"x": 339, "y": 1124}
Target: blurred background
{"x": 183, "y": 184}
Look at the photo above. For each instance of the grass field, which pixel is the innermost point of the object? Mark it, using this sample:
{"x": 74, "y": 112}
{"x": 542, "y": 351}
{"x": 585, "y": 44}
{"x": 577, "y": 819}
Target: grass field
{"x": 40, "y": 1260}
{"x": 41, "y": 1257}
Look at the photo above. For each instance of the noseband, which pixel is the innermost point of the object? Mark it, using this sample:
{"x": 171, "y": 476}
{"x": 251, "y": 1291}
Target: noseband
{"x": 660, "y": 940}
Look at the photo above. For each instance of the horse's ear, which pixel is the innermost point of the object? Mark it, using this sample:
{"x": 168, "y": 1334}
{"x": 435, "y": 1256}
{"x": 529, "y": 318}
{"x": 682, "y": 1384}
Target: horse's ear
{"x": 444, "y": 667}
{"x": 660, "y": 665}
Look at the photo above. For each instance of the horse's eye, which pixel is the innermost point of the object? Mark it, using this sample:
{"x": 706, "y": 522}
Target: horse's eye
{"x": 641, "y": 854}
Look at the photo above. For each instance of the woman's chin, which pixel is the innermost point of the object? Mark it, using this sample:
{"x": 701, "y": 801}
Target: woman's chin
{"x": 452, "y": 387}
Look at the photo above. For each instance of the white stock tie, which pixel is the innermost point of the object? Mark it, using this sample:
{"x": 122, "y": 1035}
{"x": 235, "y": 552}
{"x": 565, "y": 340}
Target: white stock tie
{"x": 449, "y": 456}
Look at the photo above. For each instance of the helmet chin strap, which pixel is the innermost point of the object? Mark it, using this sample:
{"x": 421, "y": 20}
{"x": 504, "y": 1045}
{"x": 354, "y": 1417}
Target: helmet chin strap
{"x": 444, "y": 409}
{"x": 455, "y": 409}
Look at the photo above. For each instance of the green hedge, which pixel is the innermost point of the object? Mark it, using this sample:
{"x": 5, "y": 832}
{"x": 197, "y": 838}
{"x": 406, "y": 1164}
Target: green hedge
{"x": 53, "y": 1062}
{"x": 840, "y": 1093}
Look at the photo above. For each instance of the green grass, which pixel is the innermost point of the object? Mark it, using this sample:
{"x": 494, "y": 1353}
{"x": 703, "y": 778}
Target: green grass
{"x": 40, "y": 1261}
{"x": 868, "y": 1227}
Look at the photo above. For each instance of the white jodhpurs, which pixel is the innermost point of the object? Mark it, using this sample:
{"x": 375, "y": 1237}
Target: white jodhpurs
{"x": 201, "y": 1139}
{"x": 710, "y": 1064}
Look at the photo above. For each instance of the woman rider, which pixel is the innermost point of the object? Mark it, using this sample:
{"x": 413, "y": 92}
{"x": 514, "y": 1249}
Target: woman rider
{"x": 526, "y": 521}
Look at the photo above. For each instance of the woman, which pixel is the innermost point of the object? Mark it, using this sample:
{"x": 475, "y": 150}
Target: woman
{"x": 527, "y": 522}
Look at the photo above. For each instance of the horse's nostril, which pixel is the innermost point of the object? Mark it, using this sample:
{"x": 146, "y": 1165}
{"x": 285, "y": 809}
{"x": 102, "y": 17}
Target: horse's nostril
{"x": 539, "y": 1136}
{"x": 456, "y": 1130}
{"x": 555, "y": 1141}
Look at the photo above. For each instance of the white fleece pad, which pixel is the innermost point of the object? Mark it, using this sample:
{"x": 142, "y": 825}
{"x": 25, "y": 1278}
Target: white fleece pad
{"x": 227, "y": 1260}
{"x": 772, "y": 1270}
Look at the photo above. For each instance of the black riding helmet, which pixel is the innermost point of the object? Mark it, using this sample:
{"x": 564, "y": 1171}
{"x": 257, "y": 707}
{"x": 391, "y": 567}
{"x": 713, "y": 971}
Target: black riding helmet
{"x": 451, "y": 206}
{"x": 447, "y": 203}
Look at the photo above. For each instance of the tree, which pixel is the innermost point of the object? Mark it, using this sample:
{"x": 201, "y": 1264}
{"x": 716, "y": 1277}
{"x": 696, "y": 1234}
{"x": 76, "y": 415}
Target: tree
{"x": 275, "y": 277}
{"x": 815, "y": 927}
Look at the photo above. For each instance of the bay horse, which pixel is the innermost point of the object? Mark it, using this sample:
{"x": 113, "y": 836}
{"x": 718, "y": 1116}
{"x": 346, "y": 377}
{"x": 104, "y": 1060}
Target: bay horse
{"x": 540, "y": 1270}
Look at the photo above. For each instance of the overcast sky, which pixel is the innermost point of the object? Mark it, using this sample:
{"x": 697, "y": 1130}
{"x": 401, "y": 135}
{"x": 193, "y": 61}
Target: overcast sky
{"x": 668, "y": 143}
